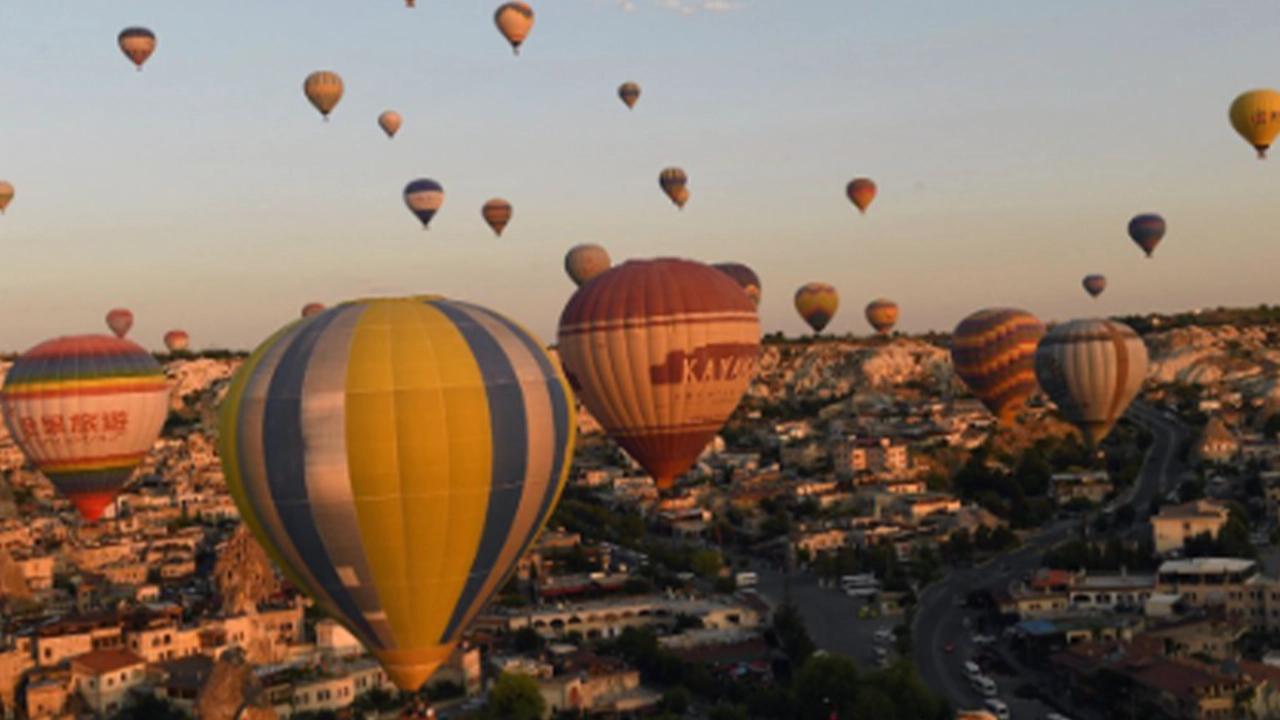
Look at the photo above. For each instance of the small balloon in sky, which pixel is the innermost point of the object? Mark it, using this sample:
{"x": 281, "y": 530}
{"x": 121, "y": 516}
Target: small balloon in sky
{"x": 514, "y": 21}
{"x": 390, "y": 122}
{"x": 137, "y": 44}
{"x": 1256, "y": 116}
{"x": 324, "y": 90}
{"x": 424, "y": 197}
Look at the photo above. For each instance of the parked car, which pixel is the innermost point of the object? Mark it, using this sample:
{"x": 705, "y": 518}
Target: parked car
{"x": 996, "y": 707}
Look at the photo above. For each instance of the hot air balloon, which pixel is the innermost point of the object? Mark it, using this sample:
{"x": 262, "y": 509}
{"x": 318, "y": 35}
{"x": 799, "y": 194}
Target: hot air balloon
{"x": 409, "y": 3}
{"x": 120, "y": 321}
{"x": 817, "y": 303}
{"x": 514, "y": 21}
{"x": 1092, "y": 369}
{"x": 993, "y": 351}
{"x": 1256, "y": 116}
{"x": 497, "y": 212}
{"x": 137, "y": 44}
{"x": 424, "y": 198}
{"x": 6, "y": 195}
{"x": 177, "y": 341}
{"x": 629, "y": 92}
{"x": 861, "y": 192}
{"x": 390, "y": 122}
{"x": 661, "y": 351}
{"x": 674, "y": 182}
{"x": 312, "y": 308}
{"x": 584, "y": 262}
{"x": 396, "y": 457}
{"x": 85, "y": 410}
{"x": 745, "y": 277}
{"x": 1094, "y": 284}
{"x": 1147, "y": 231}
{"x": 882, "y": 313}
{"x": 324, "y": 90}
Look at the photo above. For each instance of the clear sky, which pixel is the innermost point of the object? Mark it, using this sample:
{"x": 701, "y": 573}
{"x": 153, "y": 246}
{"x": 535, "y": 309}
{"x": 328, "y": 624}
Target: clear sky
{"x": 1011, "y": 141}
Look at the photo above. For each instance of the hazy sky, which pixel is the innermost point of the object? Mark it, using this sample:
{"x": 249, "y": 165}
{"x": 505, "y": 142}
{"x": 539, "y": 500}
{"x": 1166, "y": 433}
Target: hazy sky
{"x": 1011, "y": 142}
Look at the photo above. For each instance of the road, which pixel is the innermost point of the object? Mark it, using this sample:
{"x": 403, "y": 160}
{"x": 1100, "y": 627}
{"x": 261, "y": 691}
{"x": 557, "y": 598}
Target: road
{"x": 940, "y": 621}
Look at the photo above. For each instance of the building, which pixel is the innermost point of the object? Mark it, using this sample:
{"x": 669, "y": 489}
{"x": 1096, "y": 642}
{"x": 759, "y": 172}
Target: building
{"x": 1111, "y": 592}
{"x": 1217, "y": 443}
{"x": 104, "y": 678}
{"x": 1178, "y": 523}
{"x": 337, "y": 688}
{"x": 854, "y": 455}
{"x": 914, "y": 508}
{"x": 1231, "y": 586}
{"x": 1093, "y": 486}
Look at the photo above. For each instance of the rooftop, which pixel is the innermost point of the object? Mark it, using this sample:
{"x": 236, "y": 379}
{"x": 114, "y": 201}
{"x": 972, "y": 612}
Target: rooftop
{"x": 1206, "y": 565}
{"x": 100, "y": 662}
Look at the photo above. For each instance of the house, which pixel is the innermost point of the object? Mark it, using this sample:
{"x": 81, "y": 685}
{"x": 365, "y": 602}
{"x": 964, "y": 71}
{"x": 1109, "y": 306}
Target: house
{"x": 1217, "y": 443}
{"x": 104, "y": 678}
{"x": 1093, "y": 486}
{"x": 1178, "y": 523}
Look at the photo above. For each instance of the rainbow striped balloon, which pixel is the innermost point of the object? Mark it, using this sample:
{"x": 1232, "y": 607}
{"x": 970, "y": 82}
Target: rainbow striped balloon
{"x": 396, "y": 457}
{"x": 85, "y": 410}
{"x": 993, "y": 351}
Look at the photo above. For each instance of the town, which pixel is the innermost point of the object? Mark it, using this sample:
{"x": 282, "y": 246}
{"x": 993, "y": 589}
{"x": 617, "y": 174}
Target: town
{"x": 861, "y": 540}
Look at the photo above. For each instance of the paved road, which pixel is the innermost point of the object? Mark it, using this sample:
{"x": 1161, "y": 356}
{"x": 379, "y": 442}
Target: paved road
{"x": 940, "y": 621}
{"x": 830, "y": 617}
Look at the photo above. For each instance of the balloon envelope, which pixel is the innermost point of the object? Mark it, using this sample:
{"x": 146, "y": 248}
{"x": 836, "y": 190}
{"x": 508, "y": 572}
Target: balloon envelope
{"x": 390, "y": 122}
{"x": 1092, "y": 369}
{"x": 1147, "y": 231}
{"x": 514, "y": 21}
{"x": 661, "y": 351}
{"x": 137, "y": 44}
{"x": 497, "y": 213}
{"x": 324, "y": 90}
{"x": 993, "y": 351}
{"x": 674, "y": 182}
{"x": 745, "y": 277}
{"x": 817, "y": 303}
{"x": 177, "y": 340}
{"x": 584, "y": 262}
{"x": 1256, "y": 116}
{"x": 1094, "y": 284}
{"x": 85, "y": 410}
{"x": 120, "y": 321}
{"x": 396, "y": 457}
{"x": 424, "y": 197}
{"x": 629, "y": 92}
{"x": 882, "y": 313}
{"x": 6, "y": 195}
{"x": 861, "y": 191}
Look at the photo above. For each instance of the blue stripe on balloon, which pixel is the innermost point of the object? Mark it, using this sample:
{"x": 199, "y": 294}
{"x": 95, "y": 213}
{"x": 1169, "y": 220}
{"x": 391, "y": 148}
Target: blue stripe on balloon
{"x": 284, "y": 448}
{"x": 510, "y": 442}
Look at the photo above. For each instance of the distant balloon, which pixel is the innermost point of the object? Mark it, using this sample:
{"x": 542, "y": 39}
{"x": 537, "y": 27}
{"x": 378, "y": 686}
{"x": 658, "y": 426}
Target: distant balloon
{"x": 1256, "y": 116}
{"x": 6, "y": 195}
{"x": 661, "y": 352}
{"x": 745, "y": 277}
{"x": 629, "y": 92}
{"x": 514, "y": 21}
{"x": 1094, "y": 284}
{"x": 882, "y": 313}
{"x": 390, "y": 121}
{"x": 584, "y": 262}
{"x": 409, "y": 3}
{"x": 120, "y": 321}
{"x": 424, "y": 197}
{"x": 396, "y": 457}
{"x": 324, "y": 90}
{"x": 177, "y": 341}
{"x": 861, "y": 192}
{"x": 85, "y": 411}
{"x": 312, "y": 308}
{"x": 674, "y": 182}
{"x": 1092, "y": 369}
{"x": 497, "y": 212}
{"x": 817, "y": 303}
{"x": 1147, "y": 231}
{"x": 993, "y": 351}
{"x": 137, "y": 44}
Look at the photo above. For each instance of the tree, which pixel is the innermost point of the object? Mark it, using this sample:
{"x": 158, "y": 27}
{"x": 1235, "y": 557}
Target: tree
{"x": 527, "y": 640}
{"x": 792, "y": 636}
{"x": 150, "y": 707}
{"x": 706, "y": 563}
{"x": 676, "y": 700}
{"x": 516, "y": 697}
{"x": 825, "y": 684}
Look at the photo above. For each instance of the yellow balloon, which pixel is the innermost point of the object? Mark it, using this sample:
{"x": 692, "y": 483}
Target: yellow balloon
{"x": 1256, "y": 116}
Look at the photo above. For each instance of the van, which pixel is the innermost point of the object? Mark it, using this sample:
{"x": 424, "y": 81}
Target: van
{"x": 997, "y": 707}
{"x": 984, "y": 686}
{"x": 746, "y": 579}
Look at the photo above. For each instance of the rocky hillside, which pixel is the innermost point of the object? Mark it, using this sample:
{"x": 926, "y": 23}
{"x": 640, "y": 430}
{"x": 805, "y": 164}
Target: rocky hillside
{"x": 836, "y": 368}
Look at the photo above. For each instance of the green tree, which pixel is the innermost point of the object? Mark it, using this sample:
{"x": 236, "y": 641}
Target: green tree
{"x": 527, "y": 640}
{"x": 791, "y": 634}
{"x": 706, "y": 563}
{"x": 516, "y": 697}
{"x": 824, "y": 684}
{"x": 150, "y": 707}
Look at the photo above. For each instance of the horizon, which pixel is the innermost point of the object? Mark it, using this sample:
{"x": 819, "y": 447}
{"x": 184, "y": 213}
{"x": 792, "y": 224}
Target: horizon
{"x": 205, "y": 193}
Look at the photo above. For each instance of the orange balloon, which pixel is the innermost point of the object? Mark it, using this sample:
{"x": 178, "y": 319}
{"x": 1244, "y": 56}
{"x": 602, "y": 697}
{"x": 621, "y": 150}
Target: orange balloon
{"x": 861, "y": 192}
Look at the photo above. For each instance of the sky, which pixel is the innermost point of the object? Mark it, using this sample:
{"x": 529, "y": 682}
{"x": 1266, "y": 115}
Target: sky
{"x": 1011, "y": 142}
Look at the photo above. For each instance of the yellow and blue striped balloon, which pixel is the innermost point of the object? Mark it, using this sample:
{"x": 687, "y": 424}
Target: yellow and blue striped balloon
{"x": 396, "y": 457}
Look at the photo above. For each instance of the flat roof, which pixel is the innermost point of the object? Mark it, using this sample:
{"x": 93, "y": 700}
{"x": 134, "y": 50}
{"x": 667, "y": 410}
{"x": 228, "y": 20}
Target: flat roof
{"x": 1192, "y": 566}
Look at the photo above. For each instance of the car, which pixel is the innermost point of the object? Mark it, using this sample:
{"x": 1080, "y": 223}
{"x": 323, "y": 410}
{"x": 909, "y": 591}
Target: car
{"x": 949, "y": 648}
{"x": 971, "y": 669}
{"x": 984, "y": 686}
{"x": 1056, "y": 716}
{"x": 979, "y": 639}
{"x": 996, "y": 707}
{"x": 884, "y": 636}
